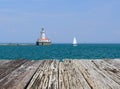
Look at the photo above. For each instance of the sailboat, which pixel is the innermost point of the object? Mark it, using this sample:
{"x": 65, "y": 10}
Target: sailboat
{"x": 75, "y": 42}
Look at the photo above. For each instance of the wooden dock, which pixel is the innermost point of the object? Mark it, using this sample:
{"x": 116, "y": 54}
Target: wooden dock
{"x": 52, "y": 74}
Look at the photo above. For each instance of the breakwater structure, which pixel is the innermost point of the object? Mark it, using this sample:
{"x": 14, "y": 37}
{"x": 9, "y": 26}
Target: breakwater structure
{"x": 52, "y": 74}
{"x": 43, "y": 40}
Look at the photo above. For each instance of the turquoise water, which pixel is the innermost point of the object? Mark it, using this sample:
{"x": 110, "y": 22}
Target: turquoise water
{"x": 61, "y": 51}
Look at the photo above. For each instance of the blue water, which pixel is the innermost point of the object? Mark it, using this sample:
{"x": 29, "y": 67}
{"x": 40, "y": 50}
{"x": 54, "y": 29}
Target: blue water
{"x": 61, "y": 51}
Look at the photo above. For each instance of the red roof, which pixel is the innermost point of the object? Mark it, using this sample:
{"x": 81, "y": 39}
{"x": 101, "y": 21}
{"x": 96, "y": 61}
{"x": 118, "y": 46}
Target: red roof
{"x": 43, "y": 39}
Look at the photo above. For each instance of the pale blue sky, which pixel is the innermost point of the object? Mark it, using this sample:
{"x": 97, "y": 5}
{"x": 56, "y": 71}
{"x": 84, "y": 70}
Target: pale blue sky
{"x": 91, "y": 21}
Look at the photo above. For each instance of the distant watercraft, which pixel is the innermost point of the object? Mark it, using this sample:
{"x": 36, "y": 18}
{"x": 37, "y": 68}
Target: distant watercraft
{"x": 74, "y": 42}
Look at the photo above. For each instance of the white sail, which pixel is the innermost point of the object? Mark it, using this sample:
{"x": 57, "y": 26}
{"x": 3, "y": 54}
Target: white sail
{"x": 74, "y": 41}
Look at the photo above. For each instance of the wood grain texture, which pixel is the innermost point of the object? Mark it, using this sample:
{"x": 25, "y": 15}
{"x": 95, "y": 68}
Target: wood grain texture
{"x": 52, "y": 74}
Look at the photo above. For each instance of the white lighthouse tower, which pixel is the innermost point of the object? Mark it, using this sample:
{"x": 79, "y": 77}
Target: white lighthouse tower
{"x": 43, "y": 40}
{"x": 43, "y": 33}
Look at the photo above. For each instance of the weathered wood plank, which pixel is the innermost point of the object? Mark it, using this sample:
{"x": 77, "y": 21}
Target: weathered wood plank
{"x": 52, "y": 74}
{"x": 19, "y": 77}
{"x": 8, "y": 66}
{"x": 99, "y": 78}
{"x": 109, "y": 70}
{"x": 46, "y": 76}
{"x": 114, "y": 62}
{"x": 75, "y": 77}
{"x": 35, "y": 81}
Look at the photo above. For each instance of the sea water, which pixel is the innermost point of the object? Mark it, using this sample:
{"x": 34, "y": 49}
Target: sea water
{"x": 61, "y": 51}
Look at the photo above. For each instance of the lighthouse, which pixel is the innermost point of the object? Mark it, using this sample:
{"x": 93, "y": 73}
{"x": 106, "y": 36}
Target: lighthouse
{"x": 43, "y": 40}
{"x": 43, "y": 34}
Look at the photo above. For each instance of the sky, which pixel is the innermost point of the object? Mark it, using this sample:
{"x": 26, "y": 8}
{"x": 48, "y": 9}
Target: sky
{"x": 90, "y": 21}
